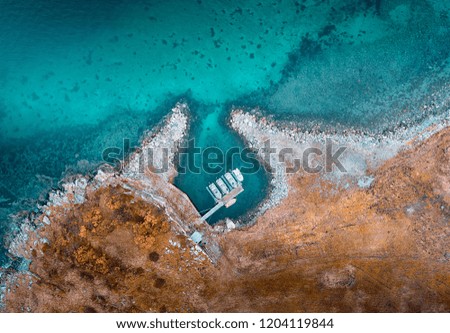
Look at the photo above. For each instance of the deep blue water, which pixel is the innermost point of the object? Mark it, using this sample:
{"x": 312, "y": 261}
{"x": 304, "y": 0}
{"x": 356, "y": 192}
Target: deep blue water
{"x": 77, "y": 77}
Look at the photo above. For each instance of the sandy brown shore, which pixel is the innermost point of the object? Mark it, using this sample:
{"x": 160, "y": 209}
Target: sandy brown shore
{"x": 121, "y": 242}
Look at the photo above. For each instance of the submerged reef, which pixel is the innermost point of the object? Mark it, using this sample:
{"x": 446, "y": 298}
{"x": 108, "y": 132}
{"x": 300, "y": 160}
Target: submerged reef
{"x": 373, "y": 238}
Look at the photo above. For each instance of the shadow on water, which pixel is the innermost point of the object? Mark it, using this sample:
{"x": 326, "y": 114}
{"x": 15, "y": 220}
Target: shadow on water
{"x": 211, "y": 134}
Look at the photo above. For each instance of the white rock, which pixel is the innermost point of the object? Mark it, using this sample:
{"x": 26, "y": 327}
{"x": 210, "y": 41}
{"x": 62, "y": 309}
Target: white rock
{"x": 46, "y": 220}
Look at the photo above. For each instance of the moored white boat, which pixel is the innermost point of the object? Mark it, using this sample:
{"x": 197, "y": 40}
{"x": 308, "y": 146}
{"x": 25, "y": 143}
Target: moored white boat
{"x": 215, "y": 191}
{"x": 238, "y": 175}
{"x": 223, "y": 187}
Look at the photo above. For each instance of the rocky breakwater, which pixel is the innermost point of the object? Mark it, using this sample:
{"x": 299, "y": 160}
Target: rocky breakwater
{"x": 152, "y": 167}
{"x": 97, "y": 241}
{"x": 347, "y": 158}
{"x": 156, "y": 153}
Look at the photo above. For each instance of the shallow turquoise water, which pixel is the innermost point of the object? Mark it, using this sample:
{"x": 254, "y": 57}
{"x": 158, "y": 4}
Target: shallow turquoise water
{"x": 77, "y": 77}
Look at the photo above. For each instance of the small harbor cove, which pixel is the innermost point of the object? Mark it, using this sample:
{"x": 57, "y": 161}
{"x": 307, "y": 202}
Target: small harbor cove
{"x": 214, "y": 139}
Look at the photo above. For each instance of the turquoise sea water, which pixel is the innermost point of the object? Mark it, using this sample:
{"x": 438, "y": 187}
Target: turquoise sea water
{"x": 77, "y": 77}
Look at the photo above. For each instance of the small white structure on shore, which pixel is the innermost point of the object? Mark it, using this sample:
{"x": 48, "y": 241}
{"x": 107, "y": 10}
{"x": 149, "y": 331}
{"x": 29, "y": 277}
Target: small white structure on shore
{"x": 197, "y": 237}
{"x": 230, "y": 224}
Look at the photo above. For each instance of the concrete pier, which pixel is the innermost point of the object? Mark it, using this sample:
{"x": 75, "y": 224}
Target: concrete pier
{"x": 227, "y": 201}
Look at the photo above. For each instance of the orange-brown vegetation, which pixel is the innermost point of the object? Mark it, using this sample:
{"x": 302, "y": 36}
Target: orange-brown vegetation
{"x": 111, "y": 253}
{"x": 324, "y": 248}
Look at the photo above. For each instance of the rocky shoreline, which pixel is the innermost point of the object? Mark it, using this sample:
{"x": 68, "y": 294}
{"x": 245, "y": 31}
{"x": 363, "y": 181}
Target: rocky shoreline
{"x": 136, "y": 176}
{"x": 167, "y": 136}
{"x": 370, "y": 151}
